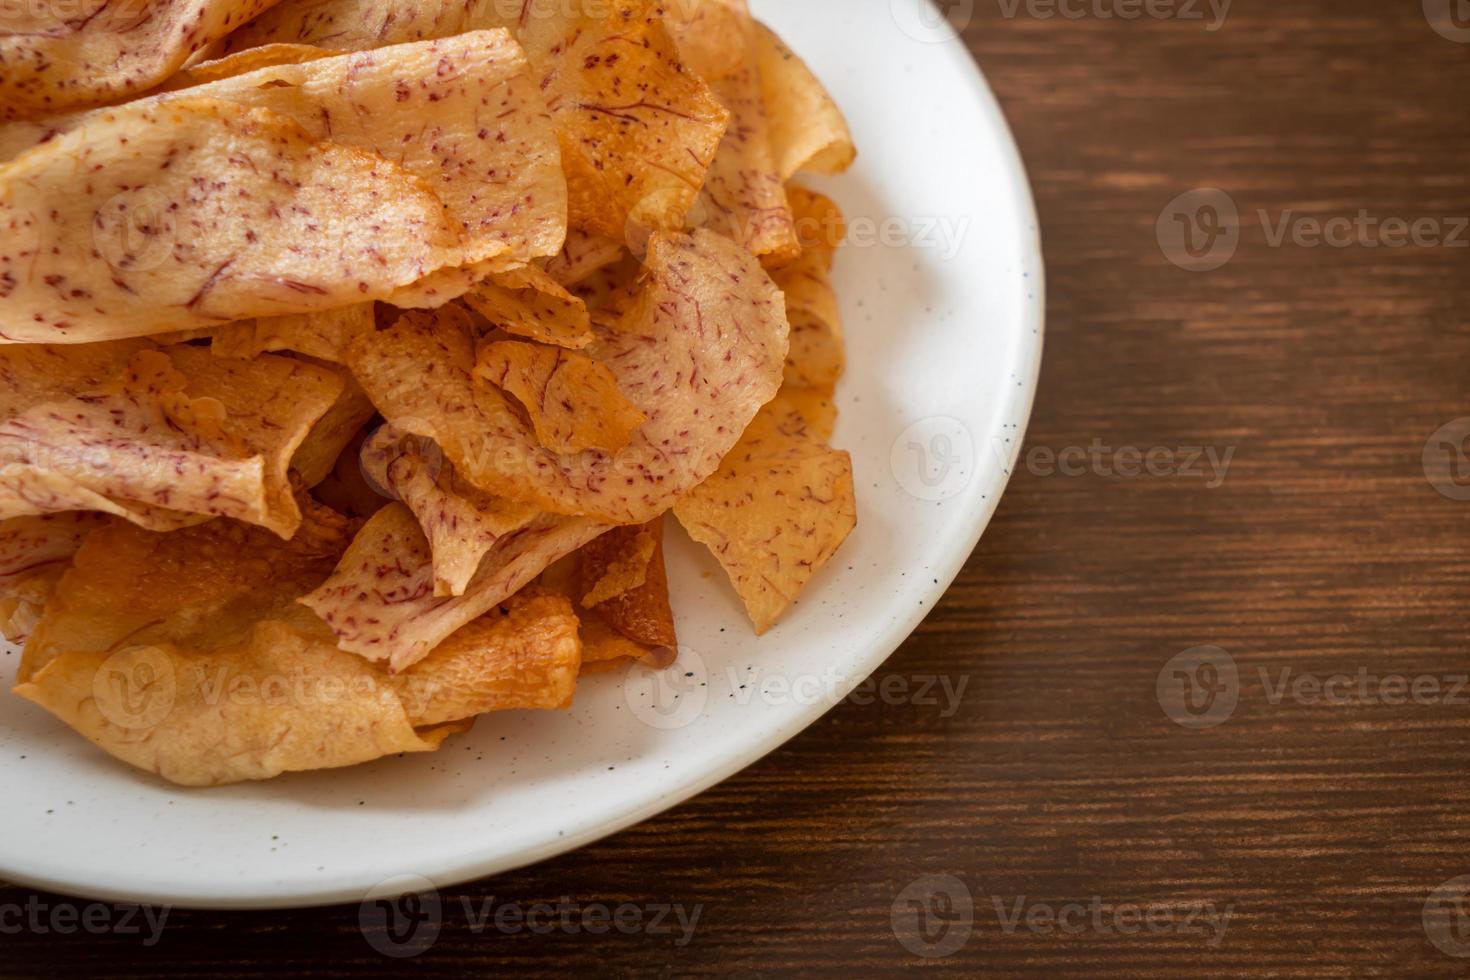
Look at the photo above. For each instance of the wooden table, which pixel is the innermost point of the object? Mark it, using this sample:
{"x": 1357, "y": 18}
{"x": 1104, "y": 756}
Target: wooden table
{"x": 1094, "y": 834}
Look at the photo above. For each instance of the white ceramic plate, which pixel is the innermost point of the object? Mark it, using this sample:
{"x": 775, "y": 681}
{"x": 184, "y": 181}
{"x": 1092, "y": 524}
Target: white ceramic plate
{"x": 941, "y": 286}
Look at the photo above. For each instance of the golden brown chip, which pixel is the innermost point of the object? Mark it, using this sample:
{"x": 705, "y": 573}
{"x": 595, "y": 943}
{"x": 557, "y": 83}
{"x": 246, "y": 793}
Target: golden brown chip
{"x": 151, "y": 434}
{"x": 700, "y": 350}
{"x": 617, "y": 563}
{"x": 529, "y": 303}
{"x": 196, "y": 587}
{"x": 323, "y": 446}
{"x": 816, "y": 358}
{"x": 282, "y": 699}
{"x": 744, "y": 196}
{"x": 321, "y": 335}
{"x": 573, "y": 401}
{"x": 604, "y": 648}
{"x": 233, "y": 213}
{"x": 807, "y": 130}
{"x": 775, "y": 512}
{"x": 621, "y": 578}
{"x": 706, "y": 32}
{"x": 34, "y": 552}
{"x": 526, "y": 655}
{"x": 380, "y": 599}
{"x": 461, "y": 521}
{"x": 57, "y": 56}
{"x": 637, "y": 129}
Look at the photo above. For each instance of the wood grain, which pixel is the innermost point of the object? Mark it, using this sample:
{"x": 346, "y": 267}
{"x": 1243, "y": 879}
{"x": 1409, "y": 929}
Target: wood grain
{"x": 1059, "y": 778}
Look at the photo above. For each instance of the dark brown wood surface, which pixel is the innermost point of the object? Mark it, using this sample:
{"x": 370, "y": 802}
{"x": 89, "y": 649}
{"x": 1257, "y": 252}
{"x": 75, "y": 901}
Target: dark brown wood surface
{"x": 1060, "y": 779}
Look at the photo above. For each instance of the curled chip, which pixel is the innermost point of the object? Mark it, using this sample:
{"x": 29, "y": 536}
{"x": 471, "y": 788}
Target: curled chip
{"x": 34, "y": 552}
{"x": 234, "y": 213}
{"x": 807, "y": 129}
{"x": 704, "y": 30}
{"x": 265, "y": 56}
{"x": 461, "y": 521}
{"x": 637, "y": 129}
{"x": 744, "y": 196}
{"x": 323, "y": 445}
{"x": 529, "y": 303}
{"x": 699, "y": 351}
{"x": 464, "y": 114}
{"x": 617, "y": 563}
{"x": 380, "y": 599}
{"x": 184, "y": 654}
{"x": 622, "y": 580}
{"x": 777, "y": 509}
{"x": 200, "y": 586}
{"x": 157, "y": 435}
{"x": 59, "y": 56}
{"x": 816, "y": 358}
{"x": 525, "y": 656}
{"x": 573, "y": 401}
{"x": 282, "y": 699}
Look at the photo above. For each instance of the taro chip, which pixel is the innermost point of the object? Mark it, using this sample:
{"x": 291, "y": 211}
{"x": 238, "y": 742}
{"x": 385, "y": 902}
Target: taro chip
{"x": 380, "y": 599}
{"x": 807, "y": 129}
{"x": 60, "y": 56}
{"x": 34, "y": 552}
{"x": 637, "y": 129}
{"x": 622, "y": 579}
{"x": 525, "y": 655}
{"x": 282, "y": 699}
{"x": 464, "y": 114}
{"x": 744, "y": 196}
{"x": 461, "y": 521}
{"x": 317, "y": 455}
{"x": 196, "y": 587}
{"x": 699, "y": 351}
{"x": 158, "y": 435}
{"x": 778, "y": 508}
{"x": 704, "y": 29}
{"x": 573, "y": 401}
{"x": 289, "y": 225}
{"x": 605, "y": 648}
{"x": 617, "y": 563}
{"x": 584, "y": 253}
{"x": 816, "y": 358}
{"x": 265, "y": 56}
{"x": 529, "y": 303}
{"x": 321, "y": 335}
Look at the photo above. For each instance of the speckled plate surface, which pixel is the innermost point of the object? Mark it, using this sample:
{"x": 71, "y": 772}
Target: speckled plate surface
{"x": 941, "y": 286}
